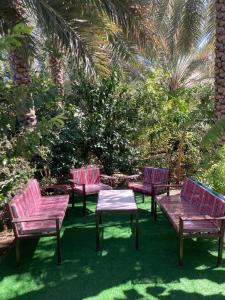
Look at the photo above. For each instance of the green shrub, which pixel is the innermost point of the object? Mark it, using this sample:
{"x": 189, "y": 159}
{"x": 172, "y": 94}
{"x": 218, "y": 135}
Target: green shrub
{"x": 212, "y": 170}
{"x": 173, "y": 123}
{"x": 101, "y": 125}
{"x": 14, "y": 174}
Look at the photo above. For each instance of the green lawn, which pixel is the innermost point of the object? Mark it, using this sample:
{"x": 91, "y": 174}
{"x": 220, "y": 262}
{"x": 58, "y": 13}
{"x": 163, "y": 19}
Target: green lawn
{"x": 119, "y": 271}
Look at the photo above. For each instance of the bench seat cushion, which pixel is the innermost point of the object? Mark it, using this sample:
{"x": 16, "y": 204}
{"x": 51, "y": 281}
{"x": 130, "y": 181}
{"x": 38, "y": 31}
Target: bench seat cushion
{"x": 176, "y": 207}
{"x": 41, "y": 227}
{"x": 140, "y": 187}
{"x": 92, "y": 188}
{"x": 162, "y": 199}
{"x": 58, "y": 201}
{"x": 49, "y": 211}
{"x": 22, "y": 206}
{"x": 145, "y": 188}
{"x": 204, "y": 226}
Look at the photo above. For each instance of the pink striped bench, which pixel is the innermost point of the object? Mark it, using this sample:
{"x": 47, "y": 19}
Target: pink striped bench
{"x": 33, "y": 215}
{"x": 150, "y": 176}
{"x": 87, "y": 181}
{"x": 196, "y": 211}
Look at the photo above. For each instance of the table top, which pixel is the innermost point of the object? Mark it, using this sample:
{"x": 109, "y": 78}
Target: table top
{"x": 116, "y": 200}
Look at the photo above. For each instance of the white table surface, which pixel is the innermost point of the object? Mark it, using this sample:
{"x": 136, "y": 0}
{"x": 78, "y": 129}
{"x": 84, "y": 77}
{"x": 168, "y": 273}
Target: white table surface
{"x": 116, "y": 200}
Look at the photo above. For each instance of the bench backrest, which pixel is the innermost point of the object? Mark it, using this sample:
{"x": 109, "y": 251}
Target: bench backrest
{"x": 26, "y": 201}
{"x": 88, "y": 175}
{"x": 155, "y": 175}
{"x": 201, "y": 197}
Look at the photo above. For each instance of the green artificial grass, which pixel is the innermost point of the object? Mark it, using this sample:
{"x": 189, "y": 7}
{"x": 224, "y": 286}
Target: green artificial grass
{"x": 118, "y": 272}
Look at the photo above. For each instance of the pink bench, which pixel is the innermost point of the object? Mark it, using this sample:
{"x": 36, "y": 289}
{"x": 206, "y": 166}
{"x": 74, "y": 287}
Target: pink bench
{"x": 87, "y": 181}
{"x": 33, "y": 215}
{"x": 150, "y": 176}
{"x": 196, "y": 212}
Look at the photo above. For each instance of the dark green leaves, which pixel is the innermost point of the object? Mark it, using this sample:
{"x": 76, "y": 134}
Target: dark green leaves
{"x": 215, "y": 133}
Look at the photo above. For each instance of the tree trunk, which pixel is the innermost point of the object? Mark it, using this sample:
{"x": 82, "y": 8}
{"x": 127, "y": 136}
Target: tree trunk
{"x": 220, "y": 60}
{"x": 57, "y": 70}
{"x": 20, "y": 74}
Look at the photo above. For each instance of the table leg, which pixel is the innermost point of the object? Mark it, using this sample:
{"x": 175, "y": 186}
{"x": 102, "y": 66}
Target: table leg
{"x": 97, "y": 232}
{"x": 100, "y": 218}
{"x": 136, "y": 232}
{"x": 131, "y": 219}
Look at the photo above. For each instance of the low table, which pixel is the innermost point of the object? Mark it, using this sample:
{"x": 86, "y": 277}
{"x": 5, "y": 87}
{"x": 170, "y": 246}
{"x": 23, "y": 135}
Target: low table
{"x": 116, "y": 201}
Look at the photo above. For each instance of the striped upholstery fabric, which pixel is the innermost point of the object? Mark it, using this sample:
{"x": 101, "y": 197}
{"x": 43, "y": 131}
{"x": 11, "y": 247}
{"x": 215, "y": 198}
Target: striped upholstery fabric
{"x": 140, "y": 187}
{"x": 151, "y": 175}
{"x": 90, "y": 176}
{"x": 155, "y": 175}
{"x": 194, "y": 200}
{"x": 77, "y": 175}
{"x": 30, "y": 203}
{"x": 91, "y": 189}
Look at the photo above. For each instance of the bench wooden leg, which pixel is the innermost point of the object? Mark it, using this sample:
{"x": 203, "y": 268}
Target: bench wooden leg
{"x": 154, "y": 210}
{"x": 84, "y": 204}
{"x": 17, "y": 242}
{"x": 59, "y": 257}
{"x": 143, "y": 198}
{"x": 220, "y": 244}
{"x": 220, "y": 251}
{"x": 181, "y": 243}
{"x": 73, "y": 198}
{"x": 67, "y": 215}
{"x": 136, "y": 233}
{"x": 152, "y": 206}
{"x": 97, "y": 232}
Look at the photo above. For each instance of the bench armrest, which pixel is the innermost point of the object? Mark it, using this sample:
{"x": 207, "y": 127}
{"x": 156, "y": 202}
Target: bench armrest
{"x": 167, "y": 185}
{"x": 107, "y": 176}
{"x": 164, "y": 185}
{"x": 133, "y": 177}
{"x": 34, "y": 219}
{"x": 200, "y": 218}
{"x": 111, "y": 179}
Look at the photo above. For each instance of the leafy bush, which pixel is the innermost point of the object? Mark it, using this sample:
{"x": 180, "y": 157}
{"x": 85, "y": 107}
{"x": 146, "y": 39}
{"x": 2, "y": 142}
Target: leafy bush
{"x": 13, "y": 175}
{"x": 173, "y": 124}
{"x": 102, "y": 121}
{"x": 212, "y": 170}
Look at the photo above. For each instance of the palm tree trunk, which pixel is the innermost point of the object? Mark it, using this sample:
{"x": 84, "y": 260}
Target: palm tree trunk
{"x": 58, "y": 73}
{"x": 220, "y": 60}
{"x": 19, "y": 67}
{"x": 20, "y": 75}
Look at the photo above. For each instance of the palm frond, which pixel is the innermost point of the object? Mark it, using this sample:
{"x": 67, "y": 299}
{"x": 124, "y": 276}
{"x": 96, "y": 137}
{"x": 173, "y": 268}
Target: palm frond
{"x": 191, "y": 24}
{"x": 54, "y": 24}
{"x": 210, "y": 22}
{"x": 215, "y": 133}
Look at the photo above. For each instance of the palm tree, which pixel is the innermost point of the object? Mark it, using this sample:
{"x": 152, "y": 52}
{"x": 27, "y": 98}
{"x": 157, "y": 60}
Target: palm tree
{"x": 58, "y": 22}
{"x": 216, "y": 33}
{"x": 220, "y": 60}
{"x": 182, "y": 55}
{"x": 12, "y": 14}
{"x": 180, "y": 33}
{"x": 89, "y": 32}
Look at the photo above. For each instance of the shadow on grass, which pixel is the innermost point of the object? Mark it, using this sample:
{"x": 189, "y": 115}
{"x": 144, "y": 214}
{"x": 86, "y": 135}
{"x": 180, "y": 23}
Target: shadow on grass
{"x": 118, "y": 271}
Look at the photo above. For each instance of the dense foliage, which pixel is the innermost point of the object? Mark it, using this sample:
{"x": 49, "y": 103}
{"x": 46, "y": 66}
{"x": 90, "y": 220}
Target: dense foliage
{"x": 117, "y": 125}
{"x": 212, "y": 170}
{"x": 173, "y": 124}
{"x": 152, "y": 107}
